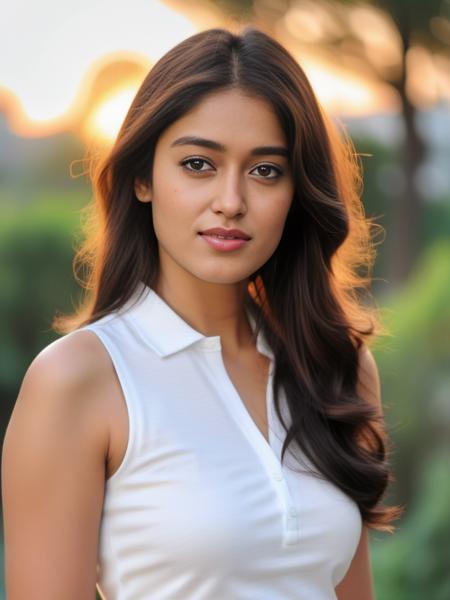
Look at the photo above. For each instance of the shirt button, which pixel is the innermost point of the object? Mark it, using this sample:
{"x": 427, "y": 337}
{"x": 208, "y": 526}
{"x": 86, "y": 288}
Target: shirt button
{"x": 277, "y": 475}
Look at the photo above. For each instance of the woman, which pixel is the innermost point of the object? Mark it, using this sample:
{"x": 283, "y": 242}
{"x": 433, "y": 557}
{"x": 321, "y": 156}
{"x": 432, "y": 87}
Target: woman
{"x": 209, "y": 428}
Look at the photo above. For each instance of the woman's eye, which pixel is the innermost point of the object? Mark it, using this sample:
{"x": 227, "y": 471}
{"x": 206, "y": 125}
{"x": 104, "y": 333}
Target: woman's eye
{"x": 195, "y": 162}
{"x": 265, "y": 169}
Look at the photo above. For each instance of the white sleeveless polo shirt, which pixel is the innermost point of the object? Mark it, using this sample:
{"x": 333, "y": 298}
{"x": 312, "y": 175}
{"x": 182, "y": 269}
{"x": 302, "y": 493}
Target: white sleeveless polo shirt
{"x": 201, "y": 507}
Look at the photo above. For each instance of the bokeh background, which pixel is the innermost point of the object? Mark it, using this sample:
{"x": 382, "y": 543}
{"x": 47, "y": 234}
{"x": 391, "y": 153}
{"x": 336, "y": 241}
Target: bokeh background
{"x": 68, "y": 73}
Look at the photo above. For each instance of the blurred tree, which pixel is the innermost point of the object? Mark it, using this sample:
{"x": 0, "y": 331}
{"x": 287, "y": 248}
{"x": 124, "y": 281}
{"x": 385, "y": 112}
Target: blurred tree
{"x": 36, "y": 252}
{"x": 402, "y": 43}
{"x": 413, "y": 564}
{"x": 419, "y": 25}
{"x": 414, "y": 367}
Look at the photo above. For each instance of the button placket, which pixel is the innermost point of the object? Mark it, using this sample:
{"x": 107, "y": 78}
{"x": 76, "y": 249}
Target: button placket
{"x": 291, "y": 533}
{"x": 263, "y": 447}
{"x": 266, "y": 452}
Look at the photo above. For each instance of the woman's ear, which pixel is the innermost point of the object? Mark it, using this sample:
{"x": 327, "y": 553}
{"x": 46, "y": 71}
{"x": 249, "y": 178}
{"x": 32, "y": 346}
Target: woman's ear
{"x": 142, "y": 190}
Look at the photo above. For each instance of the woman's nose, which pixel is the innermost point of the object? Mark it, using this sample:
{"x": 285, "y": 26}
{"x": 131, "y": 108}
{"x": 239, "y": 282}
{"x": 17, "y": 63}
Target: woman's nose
{"x": 230, "y": 197}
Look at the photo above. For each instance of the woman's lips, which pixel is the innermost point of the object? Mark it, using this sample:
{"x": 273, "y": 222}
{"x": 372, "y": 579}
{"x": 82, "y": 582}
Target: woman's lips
{"x": 221, "y": 243}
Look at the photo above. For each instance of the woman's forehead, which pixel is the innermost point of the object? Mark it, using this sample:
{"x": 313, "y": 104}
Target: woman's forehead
{"x": 227, "y": 117}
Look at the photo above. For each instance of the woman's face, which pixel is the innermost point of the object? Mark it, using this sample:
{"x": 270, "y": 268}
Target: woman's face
{"x": 228, "y": 182}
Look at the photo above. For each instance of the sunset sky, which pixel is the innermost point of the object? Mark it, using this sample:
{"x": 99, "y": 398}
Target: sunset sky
{"x": 52, "y": 45}
{"x": 54, "y": 51}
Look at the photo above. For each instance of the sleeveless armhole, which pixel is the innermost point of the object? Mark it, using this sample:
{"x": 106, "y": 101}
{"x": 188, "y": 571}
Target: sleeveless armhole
{"x": 121, "y": 373}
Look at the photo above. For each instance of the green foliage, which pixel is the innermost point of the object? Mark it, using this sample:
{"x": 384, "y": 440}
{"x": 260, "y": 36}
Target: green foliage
{"x": 36, "y": 252}
{"x": 437, "y": 220}
{"x": 414, "y": 563}
{"x": 414, "y": 362}
{"x": 381, "y": 165}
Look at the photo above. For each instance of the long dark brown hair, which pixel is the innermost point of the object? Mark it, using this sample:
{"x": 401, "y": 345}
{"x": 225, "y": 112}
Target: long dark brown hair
{"x": 307, "y": 298}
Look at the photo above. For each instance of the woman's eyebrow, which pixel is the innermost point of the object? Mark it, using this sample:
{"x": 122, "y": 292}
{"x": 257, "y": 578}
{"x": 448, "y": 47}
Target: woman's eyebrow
{"x": 199, "y": 141}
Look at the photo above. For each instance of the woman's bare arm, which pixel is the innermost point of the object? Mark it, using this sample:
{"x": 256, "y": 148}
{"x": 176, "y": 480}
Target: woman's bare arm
{"x": 53, "y": 473}
{"x": 358, "y": 582}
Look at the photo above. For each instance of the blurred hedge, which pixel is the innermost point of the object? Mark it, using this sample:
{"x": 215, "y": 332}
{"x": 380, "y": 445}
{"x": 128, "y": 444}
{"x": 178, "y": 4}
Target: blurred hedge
{"x": 36, "y": 251}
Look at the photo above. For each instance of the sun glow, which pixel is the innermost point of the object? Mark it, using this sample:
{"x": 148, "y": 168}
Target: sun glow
{"x": 83, "y": 75}
{"x": 43, "y": 78}
{"x": 104, "y": 122}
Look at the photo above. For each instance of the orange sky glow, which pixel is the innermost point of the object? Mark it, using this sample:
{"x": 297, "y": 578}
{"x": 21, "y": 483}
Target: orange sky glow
{"x": 81, "y": 73}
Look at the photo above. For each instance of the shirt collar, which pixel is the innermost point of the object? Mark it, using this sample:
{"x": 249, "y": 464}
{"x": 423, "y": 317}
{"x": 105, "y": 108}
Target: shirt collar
{"x": 160, "y": 327}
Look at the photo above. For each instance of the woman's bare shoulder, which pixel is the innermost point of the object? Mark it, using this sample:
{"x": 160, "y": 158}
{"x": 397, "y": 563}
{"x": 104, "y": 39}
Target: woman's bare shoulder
{"x": 53, "y": 471}
{"x": 67, "y": 380}
{"x": 74, "y": 360}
